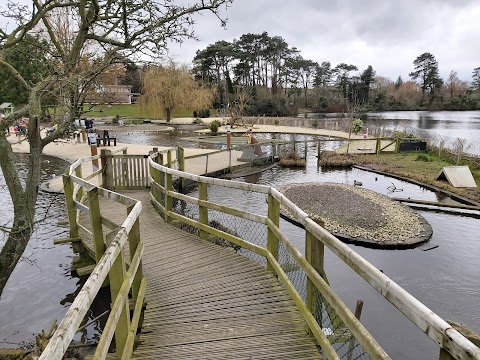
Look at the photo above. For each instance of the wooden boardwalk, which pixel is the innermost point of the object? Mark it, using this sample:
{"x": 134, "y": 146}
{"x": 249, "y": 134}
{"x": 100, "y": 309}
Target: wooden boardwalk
{"x": 207, "y": 302}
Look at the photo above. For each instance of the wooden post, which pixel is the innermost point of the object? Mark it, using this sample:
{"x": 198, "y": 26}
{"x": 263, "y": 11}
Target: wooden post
{"x": 358, "y": 314}
{"x": 206, "y": 166}
{"x": 78, "y": 173}
{"x": 168, "y": 199}
{"x": 181, "y": 166}
{"x": 444, "y": 355}
{"x": 305, "y": 151}
{"x": 71, "y": 211}
{"x": 379, "y": 146}
{"x": 133, "y": 241}
{"x": 155, "y": 173}
{"x": 274, "y": 216}
{"x": 169, "y": 158}
{"x": 181, "y": 158}
{"x": 107, "y": 171}
{"x": 84, "y": 135}
{"x": 93, "y": 152}
{"x": 315, "y": 255}
{"x": 203, "y": 211}
{"x": 397, "y": 145}
{"x": 96, "y": 220}
{"x": 161, "y": 176}
{"x": 230, "y": 160}
{"x": 116, "y": 277}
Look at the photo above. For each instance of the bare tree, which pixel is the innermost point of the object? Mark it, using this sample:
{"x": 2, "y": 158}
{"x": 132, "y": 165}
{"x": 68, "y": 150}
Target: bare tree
{"x": 102, "y": 31}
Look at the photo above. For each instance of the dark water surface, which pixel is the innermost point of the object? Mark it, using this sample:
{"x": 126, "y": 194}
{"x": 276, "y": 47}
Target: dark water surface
{"x": 446, "y": 279}
{"x": 41, "y": 288}
{"x": 435, "y": 125}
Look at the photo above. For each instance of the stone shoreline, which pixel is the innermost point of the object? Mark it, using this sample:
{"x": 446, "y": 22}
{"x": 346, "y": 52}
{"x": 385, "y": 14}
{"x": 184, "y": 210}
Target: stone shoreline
{"x": 360, "y": 216}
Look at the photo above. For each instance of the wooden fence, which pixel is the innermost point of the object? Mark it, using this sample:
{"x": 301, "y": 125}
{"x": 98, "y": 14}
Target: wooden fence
{"x": 83, "y": 196}
{"x": 452, "y": 344}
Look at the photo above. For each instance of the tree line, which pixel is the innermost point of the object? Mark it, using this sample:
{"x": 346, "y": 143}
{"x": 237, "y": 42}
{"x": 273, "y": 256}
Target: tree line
{"x": 279, "y": 81}
{"x": 261, "y": 74}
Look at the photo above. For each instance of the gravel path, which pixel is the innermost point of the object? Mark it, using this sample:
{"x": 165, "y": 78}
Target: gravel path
{"x": 359, "y": 214}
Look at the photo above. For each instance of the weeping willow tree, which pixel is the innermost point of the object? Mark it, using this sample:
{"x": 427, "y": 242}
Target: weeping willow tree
{"x": 172, "y": 86}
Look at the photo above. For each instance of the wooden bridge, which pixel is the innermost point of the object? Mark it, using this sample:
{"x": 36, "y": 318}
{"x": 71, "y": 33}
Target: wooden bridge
{"x": 204, "y": 279}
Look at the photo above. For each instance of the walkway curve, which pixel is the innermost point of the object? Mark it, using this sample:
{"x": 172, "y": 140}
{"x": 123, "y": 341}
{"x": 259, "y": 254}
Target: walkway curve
{"x": 207, "y": 302}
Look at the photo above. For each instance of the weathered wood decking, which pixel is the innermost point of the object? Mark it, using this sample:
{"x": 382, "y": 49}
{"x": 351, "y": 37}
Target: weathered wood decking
{"x": 207, "y": 302}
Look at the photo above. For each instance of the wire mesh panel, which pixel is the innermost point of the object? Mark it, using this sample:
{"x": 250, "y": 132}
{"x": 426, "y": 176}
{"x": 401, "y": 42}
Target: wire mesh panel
{"x": 245, "y": 229}
{"x": 344, "y": 343}
{"x": 294, "y": 272}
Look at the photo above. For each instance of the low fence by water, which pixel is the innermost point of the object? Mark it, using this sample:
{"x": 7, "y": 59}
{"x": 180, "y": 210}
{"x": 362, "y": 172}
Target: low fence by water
{"x": 261, "y": 239}
{"x": 256, "y": 233}
{"x": 109, "y": 254}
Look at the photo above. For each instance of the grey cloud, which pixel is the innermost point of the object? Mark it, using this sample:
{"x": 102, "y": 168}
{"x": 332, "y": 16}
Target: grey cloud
{"x": 384, "y": 33}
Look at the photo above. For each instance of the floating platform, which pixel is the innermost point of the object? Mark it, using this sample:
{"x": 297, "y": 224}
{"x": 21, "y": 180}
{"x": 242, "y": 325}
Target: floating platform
{"x": 360, "y": 216}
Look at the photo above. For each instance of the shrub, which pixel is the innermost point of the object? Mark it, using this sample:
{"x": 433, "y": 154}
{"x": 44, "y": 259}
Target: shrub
{"x": 315, "y": 123}
{"x": 116, "y": 119}
{"x": 214, "y": 125}
{"x": 197, "y": 121}
{"x": 292, "y": 158}
{"x": 203, "y": 113}
{"x": 423, "y": 157}
{"x": 357, "y": 125}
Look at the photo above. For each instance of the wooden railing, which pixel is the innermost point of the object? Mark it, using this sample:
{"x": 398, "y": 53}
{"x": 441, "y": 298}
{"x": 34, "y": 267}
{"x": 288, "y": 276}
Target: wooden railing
{"x": 121, "y": 172}
{"x": 110, "y": 261}
{"x": 452, "y": 344}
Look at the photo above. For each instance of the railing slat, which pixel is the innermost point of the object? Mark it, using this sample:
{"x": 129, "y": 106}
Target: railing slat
{"x": 118, "y": 308}
{"x": 60, "y": 341}
{"x": 317, "y": 332}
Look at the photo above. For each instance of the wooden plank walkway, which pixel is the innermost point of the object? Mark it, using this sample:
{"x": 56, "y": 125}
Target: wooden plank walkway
{"x": 207, "y": 302}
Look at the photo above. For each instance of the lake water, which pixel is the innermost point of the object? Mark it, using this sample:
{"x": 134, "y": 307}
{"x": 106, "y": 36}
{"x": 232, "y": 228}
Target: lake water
{"x": 446, "y": 279}
{"x": 42, "y": 287}
{"x": 435, "y": 125}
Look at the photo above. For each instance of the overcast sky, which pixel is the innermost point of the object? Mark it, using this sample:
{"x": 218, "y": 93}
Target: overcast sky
{"x": 386, "y": 34}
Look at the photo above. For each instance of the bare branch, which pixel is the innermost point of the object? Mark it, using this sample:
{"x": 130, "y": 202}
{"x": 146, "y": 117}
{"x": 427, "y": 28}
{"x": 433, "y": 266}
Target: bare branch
{"x": 15, "y": 73}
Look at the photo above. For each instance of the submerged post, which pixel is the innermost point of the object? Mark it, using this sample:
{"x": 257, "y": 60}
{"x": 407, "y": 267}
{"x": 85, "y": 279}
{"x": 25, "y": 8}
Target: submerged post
{"x": 71, "y": 211}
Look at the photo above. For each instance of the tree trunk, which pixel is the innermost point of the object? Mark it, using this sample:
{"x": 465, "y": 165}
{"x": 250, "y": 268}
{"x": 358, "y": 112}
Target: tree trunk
{"x": 24, "y": 200}
{"x": 168, "y": 113}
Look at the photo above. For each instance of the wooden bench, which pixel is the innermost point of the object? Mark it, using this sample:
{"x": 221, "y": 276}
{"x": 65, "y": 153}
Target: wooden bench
{"x": 105, "y": 138}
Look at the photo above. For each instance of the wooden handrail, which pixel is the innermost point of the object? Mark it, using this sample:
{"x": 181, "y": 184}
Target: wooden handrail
{"x": 435, "y": 327}
{"x": 106, "y": 260}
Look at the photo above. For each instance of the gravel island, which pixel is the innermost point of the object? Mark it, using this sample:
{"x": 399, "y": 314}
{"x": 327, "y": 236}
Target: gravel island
{"x": 360, "y": 216}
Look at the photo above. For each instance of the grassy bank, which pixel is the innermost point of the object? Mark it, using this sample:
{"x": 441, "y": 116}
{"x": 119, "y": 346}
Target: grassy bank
{"x": 409, "y": 165}
{"x": 131, "y": 111}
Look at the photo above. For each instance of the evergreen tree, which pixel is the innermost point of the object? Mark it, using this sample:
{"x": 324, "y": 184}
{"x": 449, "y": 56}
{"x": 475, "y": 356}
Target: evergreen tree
{"x": 28, "y": 58}
{"x": 426, "y": 71}
{"x": 476, "y": 79}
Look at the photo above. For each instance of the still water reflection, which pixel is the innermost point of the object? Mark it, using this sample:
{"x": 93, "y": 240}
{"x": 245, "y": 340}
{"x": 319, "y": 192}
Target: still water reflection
{"x": 41, "y": 288}
{"x": 435, "y": 125}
